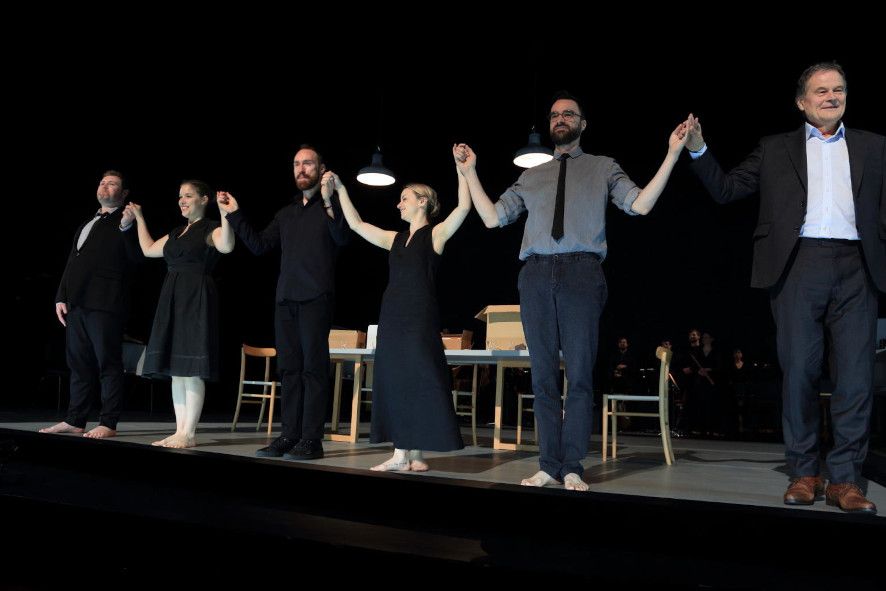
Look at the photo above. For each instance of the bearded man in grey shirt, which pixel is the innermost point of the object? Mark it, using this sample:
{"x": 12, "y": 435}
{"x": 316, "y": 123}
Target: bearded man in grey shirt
{"x": 562, "y": 287}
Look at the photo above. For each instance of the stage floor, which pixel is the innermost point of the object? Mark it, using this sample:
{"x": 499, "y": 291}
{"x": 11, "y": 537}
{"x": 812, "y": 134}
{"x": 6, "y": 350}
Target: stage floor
{"x": 739, "y": 473}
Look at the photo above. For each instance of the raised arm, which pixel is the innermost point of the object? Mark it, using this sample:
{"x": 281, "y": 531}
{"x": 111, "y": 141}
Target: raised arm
{"x": 372, "y": 234}
{"x": 334, "y": 216}
{"x": 648, "y": 196}
{"x": 150, "y": 248}
{"x": 223, "y": 236}
{"x": 445, "y": 229}
{"x": 740, "y": 182}
{"x": 257, "y": 242}
{"x": 466, "y": 161}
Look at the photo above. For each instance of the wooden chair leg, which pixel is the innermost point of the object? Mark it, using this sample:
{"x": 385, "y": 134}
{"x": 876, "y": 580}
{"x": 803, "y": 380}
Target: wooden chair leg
{"x": 271, "y": 409}
{"x": 519, "y": 418}
{"x": 665, "y": 437}
{"x": 474, "y": 406}
{"x": 237, "y": 412}
{"x": 336, "y": 396}
{"x": 605, "y": 410}
{"x": 261, "y": 414}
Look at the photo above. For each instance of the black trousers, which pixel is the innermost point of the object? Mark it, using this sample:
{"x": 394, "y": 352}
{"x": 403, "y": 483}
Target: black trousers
{"x": 94, "y": 348}
{"x": 302, "y": 336}
{"x": 826, "y": 293}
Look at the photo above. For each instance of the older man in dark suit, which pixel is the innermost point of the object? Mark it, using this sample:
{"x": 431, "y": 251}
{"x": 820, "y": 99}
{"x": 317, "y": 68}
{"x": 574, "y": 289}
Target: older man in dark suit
{"x": 820, "y": 250}
{"x": 92, "y": 302}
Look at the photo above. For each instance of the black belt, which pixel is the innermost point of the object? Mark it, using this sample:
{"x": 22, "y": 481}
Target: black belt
{"x": 830, "y": 241}
{"x": 566, "y": 256}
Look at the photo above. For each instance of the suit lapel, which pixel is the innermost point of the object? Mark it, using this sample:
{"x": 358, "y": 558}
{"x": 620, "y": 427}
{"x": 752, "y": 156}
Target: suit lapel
{"x": 795, "y": 142}
{"x": 856, "y": 161}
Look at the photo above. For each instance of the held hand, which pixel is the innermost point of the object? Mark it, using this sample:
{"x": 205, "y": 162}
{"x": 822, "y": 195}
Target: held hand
{"x": 327, "y": 185}
{"x": 678, "y": 137}
{"x": 470, "y": 157}
{"x": 226, "y": 202}
{"x": 61, "y": 310}
{"x": 336, "y": 182}
{"x": 459, "y": 153}
{"x": 695, "y": 142}
{"x": 132, "y": 212}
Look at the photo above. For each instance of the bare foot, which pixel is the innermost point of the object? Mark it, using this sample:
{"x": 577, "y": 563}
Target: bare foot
{"x": 100, "y": 432}
{"x": 540, "y": 478}
{"x": 393, "y": 465}
{"x": 180, "y": 441}
{"x": 573, "y": 481}
{"x": 417, "y": 462}
{"x": 62, "y": 428}
{"x": 162, "y": 442}
{"x": 418, "y": 465}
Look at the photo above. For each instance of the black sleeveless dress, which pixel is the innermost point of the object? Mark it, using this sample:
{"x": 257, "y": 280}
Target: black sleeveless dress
{"x": 411, "y": 391}
{"x": 184, "y": 338}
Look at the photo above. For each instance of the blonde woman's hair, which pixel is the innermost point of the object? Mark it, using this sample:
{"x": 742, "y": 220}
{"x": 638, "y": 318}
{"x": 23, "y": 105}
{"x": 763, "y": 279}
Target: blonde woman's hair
{"x": 428, "y": 193}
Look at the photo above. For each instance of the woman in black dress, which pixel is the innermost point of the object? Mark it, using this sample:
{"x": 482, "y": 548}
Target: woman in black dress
{"x": 411, "y": 392}
{"x": 184, "y": 338}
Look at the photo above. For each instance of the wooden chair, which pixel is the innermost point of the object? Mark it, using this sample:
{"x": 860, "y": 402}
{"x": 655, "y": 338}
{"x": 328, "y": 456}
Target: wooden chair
{"x": 522, "y": 407}
{"x": 257, "y": 391}
{"x": 465, "y": 408}
{"x": 611, "y": 412}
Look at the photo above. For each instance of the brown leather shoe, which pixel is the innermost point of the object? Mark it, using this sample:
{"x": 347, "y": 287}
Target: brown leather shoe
{"x": 848, "y": 497}
{"x": 804, "y": 490}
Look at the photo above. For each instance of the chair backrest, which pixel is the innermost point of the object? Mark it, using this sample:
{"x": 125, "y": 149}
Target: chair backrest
{"x": 265, "y": 353}
{"x": 665, "y": 355}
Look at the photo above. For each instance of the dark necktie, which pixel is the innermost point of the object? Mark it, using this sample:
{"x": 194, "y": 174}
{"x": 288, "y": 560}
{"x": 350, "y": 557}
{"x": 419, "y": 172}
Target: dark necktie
{"x": 560, "y": 203}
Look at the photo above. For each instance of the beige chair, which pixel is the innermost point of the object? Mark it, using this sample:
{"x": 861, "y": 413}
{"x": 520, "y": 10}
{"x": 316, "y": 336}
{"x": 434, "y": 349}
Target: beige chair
{"x": 521, "y": 396}
{"x": 468, "y": 407}
{"x": 611, "y": 412}
{"x": 257, "y": 391}
{"x": 464, "y": 400}
{"x": 521, "y": 408}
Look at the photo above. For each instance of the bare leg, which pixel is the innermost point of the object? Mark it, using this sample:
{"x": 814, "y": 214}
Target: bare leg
{"x": 416, "y": 462}
{"x": 540, "y": 478}
{"x": 178, "y": 404}
{"x": 100, "y": 432}
{"x": 398, "y": 463}
{"x": 573, "y": 481}
{"x": 195, "y": 391}
{"x": 62, "y": 428}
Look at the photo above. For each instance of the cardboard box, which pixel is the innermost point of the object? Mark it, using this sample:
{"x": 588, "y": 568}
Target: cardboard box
{"x": 347, "y": 339}
{"x": 503, "y": 327}
{"x": 461, "y": 340}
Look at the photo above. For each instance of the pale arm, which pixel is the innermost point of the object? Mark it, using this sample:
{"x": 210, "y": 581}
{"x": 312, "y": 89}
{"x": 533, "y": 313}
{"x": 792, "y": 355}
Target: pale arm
{"x": 150, "y": 248}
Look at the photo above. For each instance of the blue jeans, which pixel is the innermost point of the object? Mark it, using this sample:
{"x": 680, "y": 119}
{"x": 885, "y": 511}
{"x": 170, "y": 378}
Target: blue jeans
{"x": 561, "y": 299}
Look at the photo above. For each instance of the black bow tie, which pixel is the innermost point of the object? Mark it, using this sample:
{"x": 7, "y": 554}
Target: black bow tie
{"x": 103, "y": 214}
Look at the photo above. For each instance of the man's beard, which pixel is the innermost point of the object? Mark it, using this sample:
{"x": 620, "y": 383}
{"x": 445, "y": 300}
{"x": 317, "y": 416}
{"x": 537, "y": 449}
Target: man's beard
{"x": 109, "y": 202}
{"x": 562, "y": 137}
{"x": 305, "y": 183}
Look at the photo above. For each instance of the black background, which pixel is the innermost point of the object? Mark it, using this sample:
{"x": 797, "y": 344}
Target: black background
{"x": 188, "y": 99}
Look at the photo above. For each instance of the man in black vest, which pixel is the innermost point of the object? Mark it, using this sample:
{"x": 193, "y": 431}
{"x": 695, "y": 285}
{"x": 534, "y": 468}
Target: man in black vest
{"x": 92, "y": 302}
{"x": 820, "y": 250}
